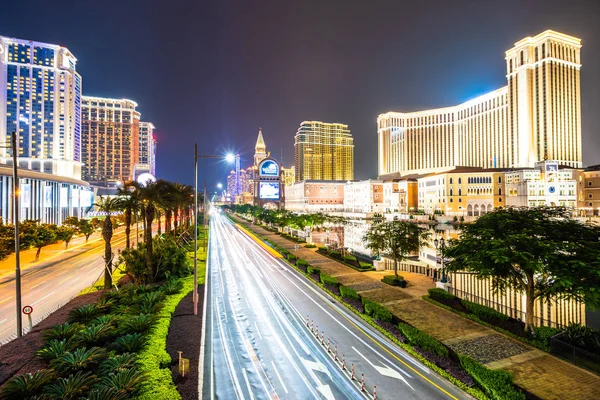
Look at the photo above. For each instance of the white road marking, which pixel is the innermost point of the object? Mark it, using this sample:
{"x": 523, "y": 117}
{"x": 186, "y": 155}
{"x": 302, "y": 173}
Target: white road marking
{"x": 279, "y": 376}
{"x": 34, "y": 286}
{"x": 316, "y": 366}
{"x": 257, "y": 330}
{"x": 38, "y": 300}
{"x": 325, "y": 390}
{"x": 6, "y": 299}
{"x": 4, "y": 320}
{"x": 385, "y": 371}
{"x": 247, "y": 383}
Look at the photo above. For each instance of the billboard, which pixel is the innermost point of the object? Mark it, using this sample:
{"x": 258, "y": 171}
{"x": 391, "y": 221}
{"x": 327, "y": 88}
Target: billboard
{"x": 86, "y": 198}
{"x": 269, "y": 168}
{"x": 25, "y": 195}
{"x": 269, "y": 190}
{"x": 48, "y": 196}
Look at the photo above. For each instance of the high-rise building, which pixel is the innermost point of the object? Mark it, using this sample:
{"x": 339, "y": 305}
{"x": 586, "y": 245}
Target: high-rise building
{"x": 536, "y": 117}
{"x": 146, "y": 162}
{"x": 324, "y": 151}
{"x": 260, "y": 150}
{"x": 110, "y": 140}
{"x": 40, "y": 94}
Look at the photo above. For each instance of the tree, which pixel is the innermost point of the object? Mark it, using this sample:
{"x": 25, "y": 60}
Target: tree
{"x": 396, "y": 239}
{"x": 129, "y": 203}
{"x": 107, "y": 206}
{"x": 65, "y": 233}
{"x": 86, "y": 228}
{"x": 7, "y": 239}
{"x": 35, "y": 234}
{"x": 540, "y": 252}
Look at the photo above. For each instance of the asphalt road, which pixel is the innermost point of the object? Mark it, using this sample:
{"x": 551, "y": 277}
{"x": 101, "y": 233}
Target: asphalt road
{"x": 52, "y": 282}
{"x": 258, "y": 345}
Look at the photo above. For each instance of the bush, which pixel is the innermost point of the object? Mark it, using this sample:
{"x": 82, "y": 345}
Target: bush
{"x": 94, "y": 335}
{"x": 73, "y": 387}
{"x": 483, "y": 312}
{"x": 81, "y": 359}
{"x": 313, "y": 270}
{"x": 377, "y": 311}
{"x": 84, "y": 313}
{"x": 335, "y": 254}
{"x": 322, "y": 248}
{"x": 62, "y": 331}
{"x": 292, "y": 258}
{"x": 124, "y": 381}
{"x": 54, "y": 349}
{"x": 28, "y": 386}
{"x": 310, "y": 246}
{"x": 496, "y": 383}
{"x": 441, "y": 294}
{"x": 117, "y": 363}
{"x": 394, "y": 281}
{"x": 300, "y": 262}
{"x": 350, "y": 259}
{"x": 582, "y": 337}
{"x": 329, "y": 280}
{"x": 129, "y": 343}
{"x": 365, "y": 265}
{"x": 349, "y": 293}
{"x": 542, "y": 335}
{"x": 417, "y": 338}
{"x": 139, "y": 323}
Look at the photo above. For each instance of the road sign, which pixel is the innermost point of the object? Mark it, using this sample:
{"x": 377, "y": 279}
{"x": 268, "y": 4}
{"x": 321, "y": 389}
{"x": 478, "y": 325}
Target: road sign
{"x": 27, "y": 310}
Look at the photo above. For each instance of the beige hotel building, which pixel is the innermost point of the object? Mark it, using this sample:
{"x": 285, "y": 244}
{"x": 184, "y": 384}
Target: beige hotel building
{"x": 536, "y": 117}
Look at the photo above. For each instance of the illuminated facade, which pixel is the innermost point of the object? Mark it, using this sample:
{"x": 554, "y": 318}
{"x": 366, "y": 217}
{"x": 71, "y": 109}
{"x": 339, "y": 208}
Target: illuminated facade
{"x": 110, "y": 140}
{"x": 536, "y": 117}
{"x": 40, "y": 94}
{"x": 364, "y": 197}
{"x": 146, "y": 162}
{"x": 589, "y": 191}
{"x": 315, "y": 196}
{"x": 324, "y": 151}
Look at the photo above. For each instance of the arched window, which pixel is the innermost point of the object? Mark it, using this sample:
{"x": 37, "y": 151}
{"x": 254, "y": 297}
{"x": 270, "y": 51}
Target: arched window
{"x": 459, "y": 191}
{"x": 459, "y": 181}
{"x": 451, "y": 192}
{"x": 500, "y": 192}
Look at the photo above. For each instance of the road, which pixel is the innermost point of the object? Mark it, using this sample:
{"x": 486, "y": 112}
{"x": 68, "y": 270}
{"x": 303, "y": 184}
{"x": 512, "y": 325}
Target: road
{"x": 53, "y": 281}
{"x": 258, "y": 345}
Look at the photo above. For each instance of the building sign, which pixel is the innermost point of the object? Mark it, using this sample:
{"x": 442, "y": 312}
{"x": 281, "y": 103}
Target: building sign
{"x": 64, "y": 197}
{"x": 269, "y": 168}
{"x": 86, "y": 198}
{"x": 269, "y": 190}
{"x": 75, "y": 197}
{"x": 551, "y": 167}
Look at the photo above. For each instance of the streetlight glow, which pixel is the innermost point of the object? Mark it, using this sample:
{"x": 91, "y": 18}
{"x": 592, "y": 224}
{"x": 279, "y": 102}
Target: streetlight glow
{"x": 229, "y": 157}
{"x": 219, "y": 185}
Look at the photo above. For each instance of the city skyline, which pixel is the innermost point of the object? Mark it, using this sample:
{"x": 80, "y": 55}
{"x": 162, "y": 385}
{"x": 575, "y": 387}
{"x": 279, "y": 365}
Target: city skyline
{"x": 223, "y": 103}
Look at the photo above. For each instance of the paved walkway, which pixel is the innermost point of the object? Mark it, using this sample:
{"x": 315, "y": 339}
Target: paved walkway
{"x": 538, "y": 372}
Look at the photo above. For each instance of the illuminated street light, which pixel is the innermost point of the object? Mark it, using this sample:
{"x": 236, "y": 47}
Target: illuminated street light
{"x": 219, "y": 185}
{"x": 230, "y": 157}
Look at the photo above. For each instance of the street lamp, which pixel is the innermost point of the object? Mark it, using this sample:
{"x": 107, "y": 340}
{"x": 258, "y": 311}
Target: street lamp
{"x": 229, "y": 158}
{"x": 441, "y": 244}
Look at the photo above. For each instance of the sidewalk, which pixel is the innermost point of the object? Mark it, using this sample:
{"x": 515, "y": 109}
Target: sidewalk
{"x": 538, "y": 372}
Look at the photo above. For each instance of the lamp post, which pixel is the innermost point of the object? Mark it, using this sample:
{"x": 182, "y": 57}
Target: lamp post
{"x": 441, "y": 244}
{"x": 228, "y": 158}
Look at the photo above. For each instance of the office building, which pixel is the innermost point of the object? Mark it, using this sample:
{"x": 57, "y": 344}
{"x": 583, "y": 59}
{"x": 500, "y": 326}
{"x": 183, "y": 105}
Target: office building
{"x": 40, "y": 94}
{"x": 324, "y": 151}
{"x": 536, "y": 117}
{"x": 364, "y": 197}
{"x": 146, "y": 162}
{"x": 110, "y": 140}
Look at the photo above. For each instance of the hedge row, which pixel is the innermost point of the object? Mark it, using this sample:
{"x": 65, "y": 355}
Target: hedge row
{"x": 154, "y": 360}
{"x": 377, "y": 311}
{"x": 417, "y": 338}
{"x": 496, "y": 383}
{"x": 392, "y": 280}
{"x": 482, "y": 312}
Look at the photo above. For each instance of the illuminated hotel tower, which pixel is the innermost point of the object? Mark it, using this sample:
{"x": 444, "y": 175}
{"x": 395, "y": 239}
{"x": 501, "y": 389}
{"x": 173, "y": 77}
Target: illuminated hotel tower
{"x": 537, "y": 117}
{"x": 110, "y": 140}
{"x": 324, "y": 151}
{"x": 146, "y": 162}
{"x": 40, "y": 98}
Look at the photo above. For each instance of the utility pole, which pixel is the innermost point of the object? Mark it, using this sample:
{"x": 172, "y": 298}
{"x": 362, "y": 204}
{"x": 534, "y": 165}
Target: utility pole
{"x": 205, "y": 215}
{"x": 16, "y": 224}
{"x": 195, "y": 294}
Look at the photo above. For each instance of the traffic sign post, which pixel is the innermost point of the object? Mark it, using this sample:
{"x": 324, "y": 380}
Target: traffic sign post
{"x": 27, "y": 310}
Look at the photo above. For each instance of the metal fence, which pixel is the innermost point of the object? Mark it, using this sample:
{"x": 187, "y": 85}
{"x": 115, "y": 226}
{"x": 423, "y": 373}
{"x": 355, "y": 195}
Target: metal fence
{"x": 575, "y": 355}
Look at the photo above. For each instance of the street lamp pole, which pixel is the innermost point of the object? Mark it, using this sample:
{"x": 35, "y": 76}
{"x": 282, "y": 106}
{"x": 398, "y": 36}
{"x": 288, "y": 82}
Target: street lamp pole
{"x": 16, "y": 224}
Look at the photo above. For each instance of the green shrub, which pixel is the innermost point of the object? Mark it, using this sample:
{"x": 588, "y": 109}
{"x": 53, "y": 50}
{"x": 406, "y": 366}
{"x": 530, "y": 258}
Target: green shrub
{"x": 139, "y": 323}
{"x": 335, "y": 254}
{"x": 313, "y": 270}
{"x": 365, "y": 265}
{"x": 300, "y": 262}
{"x": 292, "y": 258}
{"x": 322, "y": 248}
{"x": 153, "y": 360}
{"x": 93, "y": 335}
{"x": 73, "y": 387}
{"x": 377, "y": 311}
{"x": 81, "y": 359}
{"x": 84, "y": 313}
{"x": 394, "y": 281}
{"x": 124, "y": 381}
{"x": 118, "y": 363}
{"x": 483, "y": 312}
{"x": 349, "y": 293}
{"x": 62, "y": 331}
{"x": 106, "y": 393}
{"x": 329, "y": 280}
{"x": 310, "y": 246}
{"x": 349, "y": 258}
{"x": 54, "y": 349}
{"x": 172, "y": 286}
{"x": 27, "y": 386}
{"x": 542, "y": 335}
{"x": 441, "y": 294}
{"x": 129, "y": 343}
{"x": 496, "y": 383}
{"x": 417, "y": 338}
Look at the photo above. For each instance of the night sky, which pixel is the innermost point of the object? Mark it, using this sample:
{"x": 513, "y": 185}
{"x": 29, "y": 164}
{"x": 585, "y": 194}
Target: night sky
{"x": 215, "y": 71}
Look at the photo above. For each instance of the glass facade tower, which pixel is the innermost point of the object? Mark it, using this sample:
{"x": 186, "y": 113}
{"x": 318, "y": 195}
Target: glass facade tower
{"x": 40, "y": 91}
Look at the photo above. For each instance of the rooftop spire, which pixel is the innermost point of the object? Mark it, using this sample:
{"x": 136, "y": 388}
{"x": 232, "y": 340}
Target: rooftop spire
{"x": 260, "y": 143}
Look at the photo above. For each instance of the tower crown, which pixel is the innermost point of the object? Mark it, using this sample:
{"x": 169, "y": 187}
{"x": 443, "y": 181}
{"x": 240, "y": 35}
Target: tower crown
{"x": 260, "y": 143}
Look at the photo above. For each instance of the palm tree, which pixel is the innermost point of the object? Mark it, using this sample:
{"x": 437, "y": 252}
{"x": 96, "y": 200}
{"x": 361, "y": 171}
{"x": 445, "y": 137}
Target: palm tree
{"x": 150, "y": 196}
{"x": 129, "y": 203}
{"x": 183, "y": 199}
{"x": 107, "y": 205}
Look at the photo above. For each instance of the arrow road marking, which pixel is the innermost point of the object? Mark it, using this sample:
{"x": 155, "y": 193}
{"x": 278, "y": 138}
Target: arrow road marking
{"x": 325, "y": 390}
{"x": 316, "y": 366}
{"x": 385, "y": 370}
